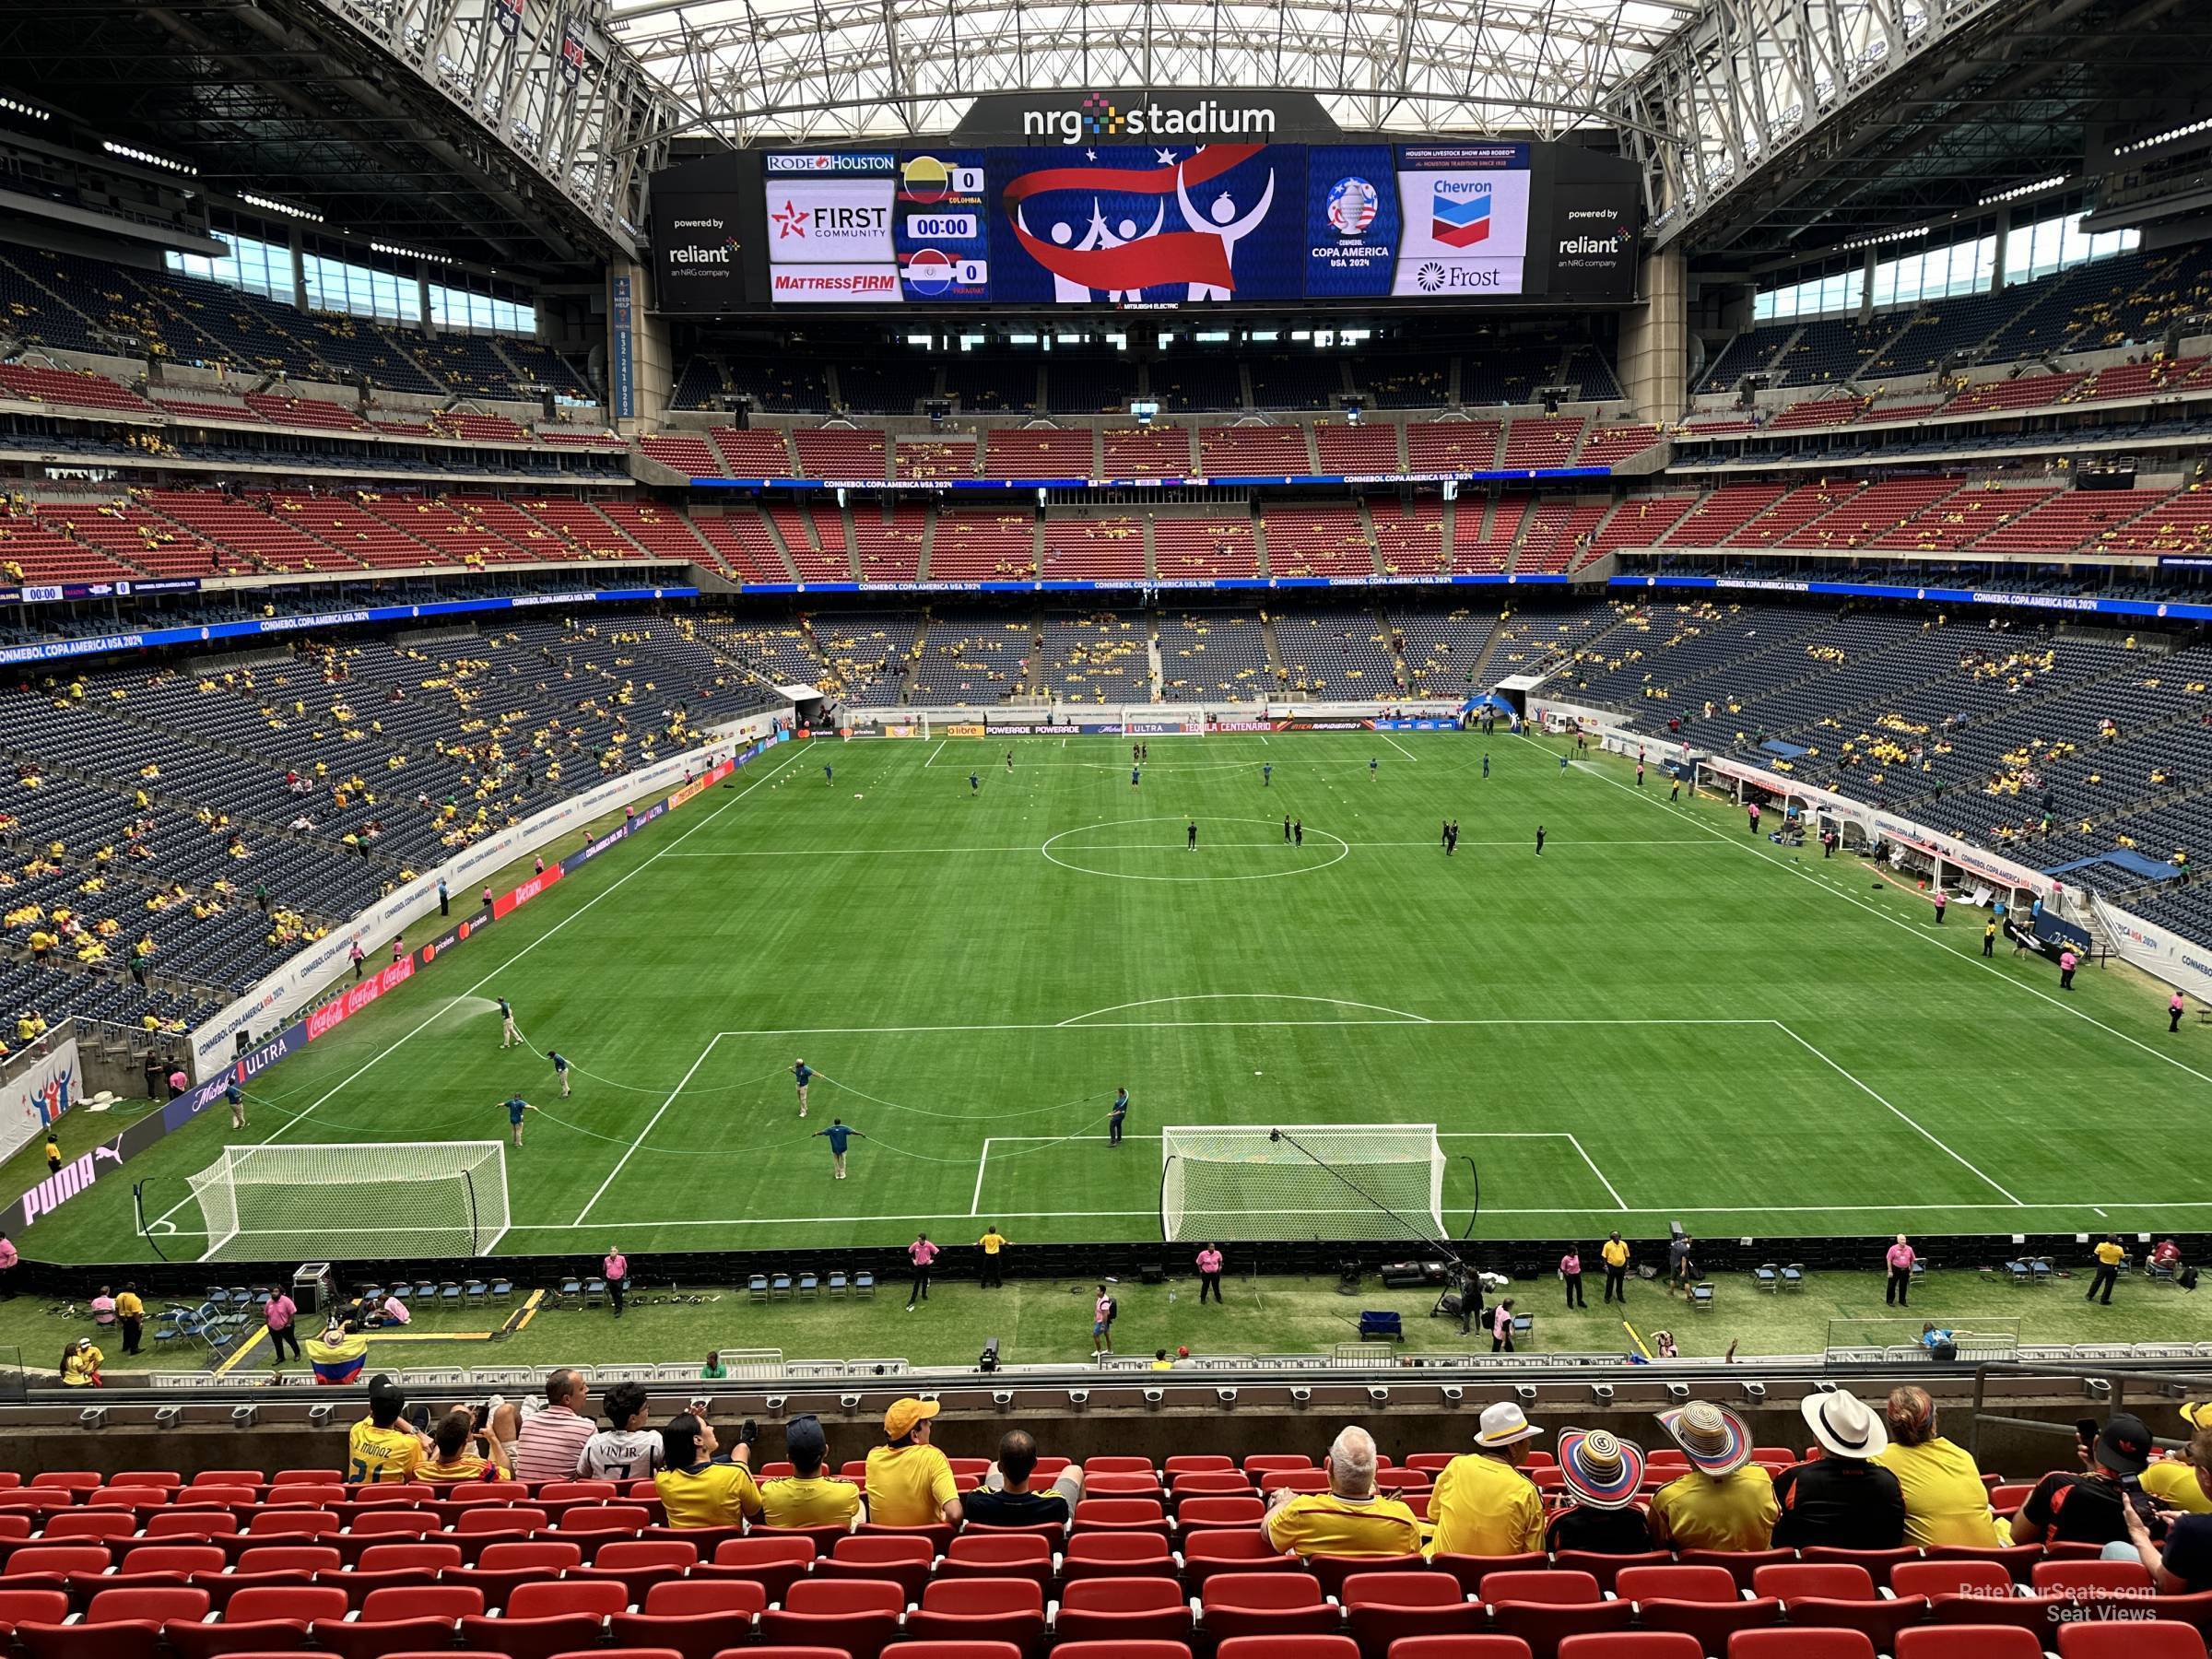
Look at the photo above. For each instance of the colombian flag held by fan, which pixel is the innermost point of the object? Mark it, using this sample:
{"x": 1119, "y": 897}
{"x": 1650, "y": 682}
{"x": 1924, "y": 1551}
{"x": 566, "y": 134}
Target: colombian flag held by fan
{"x": 336, "y": 1356}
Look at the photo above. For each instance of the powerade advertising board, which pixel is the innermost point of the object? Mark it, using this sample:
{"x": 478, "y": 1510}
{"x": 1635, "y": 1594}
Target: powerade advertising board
{"x": 1149, "y": 226}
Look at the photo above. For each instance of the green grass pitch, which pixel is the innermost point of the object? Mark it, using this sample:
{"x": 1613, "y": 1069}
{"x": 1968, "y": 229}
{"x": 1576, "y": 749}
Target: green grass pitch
{"x": 1658, "y": 1019}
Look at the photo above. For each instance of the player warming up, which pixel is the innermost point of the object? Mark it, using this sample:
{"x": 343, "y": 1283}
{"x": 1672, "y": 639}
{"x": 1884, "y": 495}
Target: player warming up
{"x": 975, "y": 785}
{"x": 1133, "y": 777}
{"x": 509, "y": 1036}
{"x": 1371, "y": 764}
{"x": 828, "y": 776}
{"x": 802, "y": 1074}
{"x": 1539, "y": 841}
{"x": 1009, "y": 761}
{"x": 1266, "y": 774}
{"x": 1190, "y": 844}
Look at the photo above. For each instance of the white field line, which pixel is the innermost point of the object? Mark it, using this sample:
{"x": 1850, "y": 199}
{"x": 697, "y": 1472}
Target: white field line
{"x": 631, "y": 1150}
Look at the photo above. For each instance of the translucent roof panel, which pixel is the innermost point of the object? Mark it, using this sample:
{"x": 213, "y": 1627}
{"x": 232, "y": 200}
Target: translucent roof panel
{"x": 828, "y": 69}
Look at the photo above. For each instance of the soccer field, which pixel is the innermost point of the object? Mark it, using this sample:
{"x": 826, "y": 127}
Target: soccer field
{"x": 1658, "y": 1019}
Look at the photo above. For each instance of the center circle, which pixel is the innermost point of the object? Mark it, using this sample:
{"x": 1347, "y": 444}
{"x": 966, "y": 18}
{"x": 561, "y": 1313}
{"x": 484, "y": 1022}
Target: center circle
{"x": 1065, "y": 859}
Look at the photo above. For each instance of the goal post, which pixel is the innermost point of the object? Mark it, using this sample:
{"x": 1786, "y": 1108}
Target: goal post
{"x": 1301, "y": 1180}
{"x": 400, "y": 1198}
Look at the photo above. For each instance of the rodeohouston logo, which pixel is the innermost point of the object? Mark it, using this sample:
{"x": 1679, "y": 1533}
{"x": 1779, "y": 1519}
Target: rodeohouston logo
{"x": 1107, "y": 115}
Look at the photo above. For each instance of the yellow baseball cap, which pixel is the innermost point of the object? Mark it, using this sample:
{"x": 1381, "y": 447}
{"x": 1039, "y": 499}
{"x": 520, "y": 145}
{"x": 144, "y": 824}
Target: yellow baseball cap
{"x": 2197, "y": 1414}
{"x": 899, "y": 1421}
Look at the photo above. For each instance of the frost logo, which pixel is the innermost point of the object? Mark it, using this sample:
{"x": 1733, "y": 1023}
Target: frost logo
{"x": 1430, "y": 277}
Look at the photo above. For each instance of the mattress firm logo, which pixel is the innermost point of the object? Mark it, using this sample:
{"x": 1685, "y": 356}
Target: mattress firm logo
{"x": 696, "y": 252}
{"x": 1113, "y": 115}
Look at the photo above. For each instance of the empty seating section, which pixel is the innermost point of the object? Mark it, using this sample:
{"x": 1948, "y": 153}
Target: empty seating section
{"x": 1357, "y": 450}
{"x": 1202, "y": 549}
{"x": 1316, "y": 541}
{"x": 33, "y": 384}
{"x": 467, "y": 364}
{"x": 1340, "y": 654}
{"x": 250, "y": 528}
{"x": 142, "y": 540}
{"x": 1559, "y": 534}
{"x": 1295, "y": 383}
{"x": 2182, "y": 523}
{"x": 1871, "y": 513}
{"x": 35, "y": 549}
{"x": 1441, "y": 650}
{"x": 1088, "y": 386}
{"x": 2026, "y": 392}
{"x": 742, "y": 541}
{"x": 2071, "y": 518}
{"x": 689, "y": 454}
{"x": 1816, "y": 412}
{"x": 1038, "y": 452}
{"x": 1097, "y": 658}
{"x": 461, "y": 539}
{"x": 1792, "y": 512}
{"x": 931, "y": 460}
{"x": 582, "y": 526}
{"x": 1747, "y": 353}
{"x": 1542, "y": 440}
{"x": 1191, "y": 383}
{"x": 971, "y": 663}
{"x": 886, "y": 387}
{"x": 754, "y": 451}
{"x": 1831, "y": 349}
{"x": 841, "y": 453}
{"x": 1092, "y": 549}
{"x": 661, "y": 531}
{"x": 1719, "y": 516}
{"x": 1450, "y": 446}
{"x": 1409, "y": 537}
{"x": 815, "y": 539}
{"x": 991, "y": 384}
{"x": 1485, "y": 534}
{"x": 1962, "y": 519}
{"x": 1509, "y": 371}
{"x": 1216, "y": 656}
{"x": 1246, "y": 451}
{"x": 1157, "y": 451}
{"x": 1610, "y": 445}
{"x": 1405, "y": 383}
{"x": 888, "y": 540}
{"x": 316, "y": 412}
{"x": 981, "y": 544}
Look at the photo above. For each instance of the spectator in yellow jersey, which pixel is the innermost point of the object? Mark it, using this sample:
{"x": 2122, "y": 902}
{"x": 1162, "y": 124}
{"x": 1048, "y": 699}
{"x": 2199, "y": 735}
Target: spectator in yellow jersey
{"x": 910, "y": 1482}
{"x": 80, "y": 1364}
{"x": 460, "y": 1452}
{"x": 806, "y": 1497}
{"x": 1482, "y": 1503}
{"x": 696, "y": 1488}
{"x": 2172, "y": 1479}
{"x": 1726, "y": 1502}
{"x": 1946, "y": 1501}
{"x": 1350, "y": 1518}
{"x": 381, "y": 1448}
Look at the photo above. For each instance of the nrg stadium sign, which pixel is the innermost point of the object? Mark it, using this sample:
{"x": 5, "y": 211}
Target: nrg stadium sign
{"x": 1138, "y": 114}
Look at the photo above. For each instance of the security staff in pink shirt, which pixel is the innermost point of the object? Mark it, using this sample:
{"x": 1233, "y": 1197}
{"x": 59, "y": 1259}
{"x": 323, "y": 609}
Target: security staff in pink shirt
{"x": 1209, "y": 1274}
{"x": 921, "y": 1252}
{"x": 1901, "y": 1258}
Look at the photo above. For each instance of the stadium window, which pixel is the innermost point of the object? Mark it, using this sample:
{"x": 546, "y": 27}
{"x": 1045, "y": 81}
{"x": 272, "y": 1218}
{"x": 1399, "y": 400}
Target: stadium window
{"x": 2059, "y": 244}
{"x": 258, "y": 267}
{"x": 1815, "y": 296}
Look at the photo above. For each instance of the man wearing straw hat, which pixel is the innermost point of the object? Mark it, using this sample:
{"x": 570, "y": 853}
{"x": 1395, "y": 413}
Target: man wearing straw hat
{"x": 1725, "y": 1502}
{"x": 1482, "y": 1503}
{"x": 1602, "y": 1475}
{"x": 1844, "y": 1501}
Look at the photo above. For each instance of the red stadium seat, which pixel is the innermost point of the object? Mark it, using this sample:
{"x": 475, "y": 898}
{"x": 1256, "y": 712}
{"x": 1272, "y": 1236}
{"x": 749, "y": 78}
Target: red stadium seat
{"x": 505, "y": 1568}
{"x": 187, "y": 1524}
{"x": 2129, "y": 1639}
{"x": 1193, "y": 1514}
{"x": 1797, "y": 1582}
{"x": 1931, "y": 1578}
{"x": 1800, "y": 1644}
{"x": 2105, "y": 1577}
{"x": 1675, "y": 1583}
{"x": 975, "y": 1612}
{"x": 2019, "y": 1559}
{"x": 1381, "y": 1608}
{"x": 1103, "y": 1650}
{"x": 36, "y": 1606}
{"x": 938, "y": 1535}
{"x": 1471, "y": 1570}
{"x": 638, "y": 1564}
{"x": 1878, "y": 1563}
{"x": 694, "y": 1619}
{"x": 1882, "y": 1620}
{"x": 1288, "y": 1647}
{"x": 1120, "y": 1515}
{"x": 1744, "y": 1564}
{"x": 1125, "y": 1555}
{"x": 70, "y": 1480}
{"x": 1968, "y": 1642}
{"x": 1198, "y": 1463}
{"x": 2040, "y": 1615}
{"x": 904, "y": 1562}
{"x": 999, "y": 1555}
{"x": 257, "y": 1622}
{"x": 181, "y": 1559}
{"x": 1261, "y": 1463}
{"x": 952, "y": 1650}
{"x": 1459, "y": 1647}
{"x": 545, "y": 1617}
{"x": 775, "y": 1563}
{"x": 1123, "y": 1610}
{"x": 1265, "y": 1603}
{"x": 1605, "y": 1569}
{"x": 1545, "y": 1608}
{"x": 1633, "y": 1644}
{"x": 398, "y": 1567}
{"x": 860, "y": 1616}
{"x": 1332, "y": 1570}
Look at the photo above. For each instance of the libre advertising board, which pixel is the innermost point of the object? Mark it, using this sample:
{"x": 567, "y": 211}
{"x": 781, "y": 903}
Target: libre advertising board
{"x": 1169, "y": 223}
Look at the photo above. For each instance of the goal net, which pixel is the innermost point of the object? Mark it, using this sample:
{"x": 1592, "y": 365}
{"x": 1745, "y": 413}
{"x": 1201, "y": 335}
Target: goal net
{"x": 1302, "y": 1180}
{"x": 394, "y": 1198}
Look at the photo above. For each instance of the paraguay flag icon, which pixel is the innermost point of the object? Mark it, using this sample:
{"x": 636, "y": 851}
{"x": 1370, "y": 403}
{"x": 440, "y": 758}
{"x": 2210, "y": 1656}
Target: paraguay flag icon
{"x": 1459, "y": 213}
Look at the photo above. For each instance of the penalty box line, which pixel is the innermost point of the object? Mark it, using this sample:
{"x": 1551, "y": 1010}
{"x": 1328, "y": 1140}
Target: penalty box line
{"x": 975, "y": 1206}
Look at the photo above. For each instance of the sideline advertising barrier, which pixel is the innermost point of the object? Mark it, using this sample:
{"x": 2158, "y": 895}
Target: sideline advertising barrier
{"x": 36, "y": 1096}
{"x": 296, "y": 982}
{"x": 2158, "y": 951}
{"x": 19, "y": 1216}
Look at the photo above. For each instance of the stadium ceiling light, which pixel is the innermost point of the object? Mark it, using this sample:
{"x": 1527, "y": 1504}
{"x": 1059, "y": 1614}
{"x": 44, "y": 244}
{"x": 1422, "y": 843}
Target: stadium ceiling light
{"x": 2168, "y": 136}
{"x": 1854, "y": 245}
{"x": 148, "y": 157}
{"x": 399, "y": 252}
{"x": 16, "y": 106}
{"x": 2017, "y": 191}
{"x": 271, "y": 205}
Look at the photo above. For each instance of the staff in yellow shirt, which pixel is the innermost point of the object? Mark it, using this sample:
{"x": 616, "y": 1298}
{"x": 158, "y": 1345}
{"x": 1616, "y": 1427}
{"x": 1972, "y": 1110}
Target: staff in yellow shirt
{"x": 993, "y": 1243}
{"x": 1615, "y": 1255}
{"x": 130, "y": 1317}
{"x": 2108, "y": 1254}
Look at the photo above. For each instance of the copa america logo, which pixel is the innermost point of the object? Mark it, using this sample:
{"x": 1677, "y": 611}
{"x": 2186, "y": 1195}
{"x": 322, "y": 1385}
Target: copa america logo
{"x": 1351, "y": 207}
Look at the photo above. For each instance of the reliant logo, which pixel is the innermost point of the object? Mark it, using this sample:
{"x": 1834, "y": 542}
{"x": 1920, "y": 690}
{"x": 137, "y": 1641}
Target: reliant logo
{"x": 1590, "y": 244}
{"x": 1105, "y": 115}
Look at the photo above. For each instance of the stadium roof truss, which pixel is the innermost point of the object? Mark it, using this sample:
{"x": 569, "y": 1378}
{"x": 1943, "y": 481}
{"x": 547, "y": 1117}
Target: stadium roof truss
{"x": 825, "y": 70}
{"x": 1768, "y": 127}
